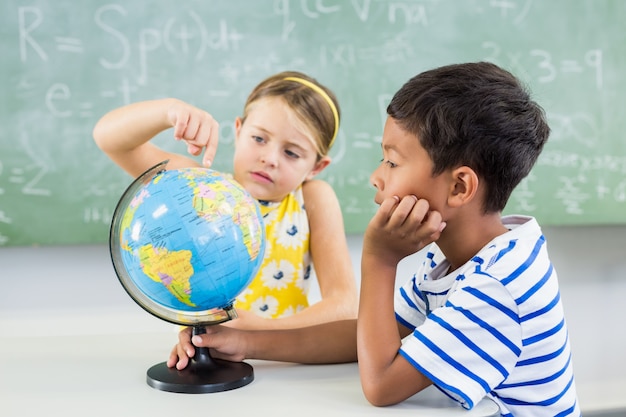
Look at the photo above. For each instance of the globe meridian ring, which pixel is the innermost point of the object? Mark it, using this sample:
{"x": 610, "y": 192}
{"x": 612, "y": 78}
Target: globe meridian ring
{"x": 184, "y": 243}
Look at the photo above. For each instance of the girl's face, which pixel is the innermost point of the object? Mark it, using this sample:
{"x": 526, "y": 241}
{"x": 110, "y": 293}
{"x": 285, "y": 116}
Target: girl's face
{"x": 272, "y": 156}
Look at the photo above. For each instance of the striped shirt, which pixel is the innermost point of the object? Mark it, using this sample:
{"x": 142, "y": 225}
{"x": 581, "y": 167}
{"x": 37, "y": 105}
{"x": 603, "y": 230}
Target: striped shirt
{"x": 493, "y": 327}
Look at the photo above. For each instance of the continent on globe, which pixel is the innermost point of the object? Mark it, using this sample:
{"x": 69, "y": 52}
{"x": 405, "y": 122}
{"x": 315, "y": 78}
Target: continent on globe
{"x": 170, "y": 268}
{"x": 186, "y": 242}
{"x": 214, "y": 200}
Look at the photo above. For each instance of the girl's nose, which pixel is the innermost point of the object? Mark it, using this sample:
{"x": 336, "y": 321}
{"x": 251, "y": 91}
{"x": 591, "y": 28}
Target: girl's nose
{"x": 269, "y": 157}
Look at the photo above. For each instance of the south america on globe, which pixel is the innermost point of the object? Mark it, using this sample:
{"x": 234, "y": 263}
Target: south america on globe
{"x": 186, "y": 242}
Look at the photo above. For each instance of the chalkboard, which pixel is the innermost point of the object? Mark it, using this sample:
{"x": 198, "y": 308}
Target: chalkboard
{"x": 65, "y": 63}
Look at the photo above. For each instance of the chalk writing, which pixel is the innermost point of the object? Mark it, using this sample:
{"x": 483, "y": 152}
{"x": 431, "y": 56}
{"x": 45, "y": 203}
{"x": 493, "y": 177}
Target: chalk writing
{"x": 62, "y": 71}
{"x": 97, "y": 215}
{"x": 543, "y": 64}
{"x": 515, "y": 9}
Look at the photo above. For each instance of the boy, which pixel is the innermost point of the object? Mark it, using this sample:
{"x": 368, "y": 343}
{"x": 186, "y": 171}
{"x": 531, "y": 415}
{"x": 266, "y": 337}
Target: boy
{"x": 483, "y": 314}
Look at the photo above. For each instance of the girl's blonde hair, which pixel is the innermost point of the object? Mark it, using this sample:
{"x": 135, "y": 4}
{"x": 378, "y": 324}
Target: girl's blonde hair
{"x": 314, "y": 105}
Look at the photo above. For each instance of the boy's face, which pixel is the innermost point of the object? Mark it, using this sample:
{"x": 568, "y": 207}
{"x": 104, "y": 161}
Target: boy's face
{"x": 406, "y": 169}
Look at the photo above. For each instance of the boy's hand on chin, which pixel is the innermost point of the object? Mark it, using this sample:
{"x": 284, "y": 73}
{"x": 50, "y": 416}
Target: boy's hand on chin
{"x": 401, "y": 227}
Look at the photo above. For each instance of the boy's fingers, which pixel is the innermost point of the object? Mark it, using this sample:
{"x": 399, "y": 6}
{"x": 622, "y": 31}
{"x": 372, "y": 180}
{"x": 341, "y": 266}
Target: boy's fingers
{"x": 386, "y": 208}
{"x": 407, "y": 207}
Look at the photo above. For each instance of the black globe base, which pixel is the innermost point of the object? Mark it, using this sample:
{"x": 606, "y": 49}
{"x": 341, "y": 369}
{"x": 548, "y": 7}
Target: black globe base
{"x": 198, "y": 379}
{"x": 203, "y": 374}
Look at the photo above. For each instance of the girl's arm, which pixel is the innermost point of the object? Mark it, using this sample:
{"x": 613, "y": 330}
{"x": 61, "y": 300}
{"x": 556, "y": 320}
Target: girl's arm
{"x": 124, "y": 134}
{"x": 330, "y": 255}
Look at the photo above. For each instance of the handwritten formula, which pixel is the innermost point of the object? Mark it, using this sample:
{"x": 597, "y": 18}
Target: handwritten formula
{"x": 67, "y": 63}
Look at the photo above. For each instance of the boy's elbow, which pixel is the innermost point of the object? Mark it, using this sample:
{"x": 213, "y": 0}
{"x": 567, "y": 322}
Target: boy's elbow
{"x": 382, "y": 390}
{"x": 377, "y": 396}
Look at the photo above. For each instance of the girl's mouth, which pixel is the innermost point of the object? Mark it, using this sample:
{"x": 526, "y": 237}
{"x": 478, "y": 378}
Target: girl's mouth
{"x": 261, "y": 177}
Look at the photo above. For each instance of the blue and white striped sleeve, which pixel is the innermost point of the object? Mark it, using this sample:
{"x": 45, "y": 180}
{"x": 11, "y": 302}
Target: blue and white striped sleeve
{"x": 469, "y": 345}
{"x": 409, "y": 306}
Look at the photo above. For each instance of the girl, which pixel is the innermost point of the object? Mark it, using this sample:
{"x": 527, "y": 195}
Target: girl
{"x": 282, "y": 141}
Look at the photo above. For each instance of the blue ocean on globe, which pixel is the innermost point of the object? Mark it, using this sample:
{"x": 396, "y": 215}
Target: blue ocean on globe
{"x": 190, "y": 240}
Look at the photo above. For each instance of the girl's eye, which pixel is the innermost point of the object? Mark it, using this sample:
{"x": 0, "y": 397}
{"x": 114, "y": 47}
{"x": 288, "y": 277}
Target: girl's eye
{"x": 258, "y": 139}
{"x": 291, "y": 154}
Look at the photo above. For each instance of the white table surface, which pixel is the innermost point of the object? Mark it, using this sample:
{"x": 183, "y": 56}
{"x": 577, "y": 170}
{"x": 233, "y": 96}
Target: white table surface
{"x": 105, "y": 375}
{"x": 73, "y": 291}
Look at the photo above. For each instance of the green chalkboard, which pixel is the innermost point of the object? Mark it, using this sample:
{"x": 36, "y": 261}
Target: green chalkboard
{"x": 65, "y": 63}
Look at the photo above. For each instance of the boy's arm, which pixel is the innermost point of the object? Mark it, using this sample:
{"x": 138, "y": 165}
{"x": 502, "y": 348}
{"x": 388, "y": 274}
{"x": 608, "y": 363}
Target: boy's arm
{"x": 398, "y": 229}
{"x": 333, "y": 342}
{"x": 124, "y": 134}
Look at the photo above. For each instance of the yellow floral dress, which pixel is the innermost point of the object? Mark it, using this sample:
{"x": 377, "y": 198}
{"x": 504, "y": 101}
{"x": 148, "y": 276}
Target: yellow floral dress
{"x": 281, "y": 286}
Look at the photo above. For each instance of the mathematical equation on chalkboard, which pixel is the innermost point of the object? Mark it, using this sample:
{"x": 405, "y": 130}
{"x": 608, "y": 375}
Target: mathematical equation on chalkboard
{"x": 60, "y": 78}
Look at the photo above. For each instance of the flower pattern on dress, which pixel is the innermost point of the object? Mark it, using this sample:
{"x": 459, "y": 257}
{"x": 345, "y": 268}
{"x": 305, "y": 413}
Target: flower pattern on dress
{"x": 269, "y": 216}
{"x": 265, "y": 306}
{"x": 278, "y": 275}
{"x": 245, "y": 293}
{"x": 281, "y": 286}
{"x": 290, "y": 235}
{"x": 302, "y": 280}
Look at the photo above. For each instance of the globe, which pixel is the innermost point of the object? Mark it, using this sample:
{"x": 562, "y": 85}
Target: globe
{"x": 184, "y": 243}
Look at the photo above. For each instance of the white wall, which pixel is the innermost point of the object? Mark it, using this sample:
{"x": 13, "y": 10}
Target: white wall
{"x": 70, "y": 290}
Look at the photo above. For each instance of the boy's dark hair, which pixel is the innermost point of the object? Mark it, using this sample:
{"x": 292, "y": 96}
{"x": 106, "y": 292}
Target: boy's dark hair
{"x": 477, "y": 115}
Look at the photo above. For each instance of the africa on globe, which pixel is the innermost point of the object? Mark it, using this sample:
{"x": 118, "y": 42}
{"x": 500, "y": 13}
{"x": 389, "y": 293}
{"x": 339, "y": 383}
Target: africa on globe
{"x": 186, "y": 242}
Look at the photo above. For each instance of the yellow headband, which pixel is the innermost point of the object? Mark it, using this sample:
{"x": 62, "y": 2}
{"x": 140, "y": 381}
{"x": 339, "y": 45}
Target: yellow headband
{"x": 326, "y": 97}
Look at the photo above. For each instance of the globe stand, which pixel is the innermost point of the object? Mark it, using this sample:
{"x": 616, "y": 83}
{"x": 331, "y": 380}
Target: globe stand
{"x": 203, "y": 374}
{"x": 153, "y": 221}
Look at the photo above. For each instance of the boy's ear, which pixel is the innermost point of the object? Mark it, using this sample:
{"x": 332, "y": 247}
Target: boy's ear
{"x": 464, "y": 187}
{"x": 319, "y": 167}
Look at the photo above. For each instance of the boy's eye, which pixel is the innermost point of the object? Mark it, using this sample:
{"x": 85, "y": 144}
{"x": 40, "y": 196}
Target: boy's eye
{"x": 388, "y": 162}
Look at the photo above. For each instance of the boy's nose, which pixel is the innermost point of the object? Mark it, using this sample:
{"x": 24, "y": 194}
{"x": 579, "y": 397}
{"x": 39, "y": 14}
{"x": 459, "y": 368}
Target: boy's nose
{"x": 375, "y": 180}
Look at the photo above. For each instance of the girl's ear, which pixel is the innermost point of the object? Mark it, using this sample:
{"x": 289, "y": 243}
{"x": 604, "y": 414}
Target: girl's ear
{"x": 238, "y": 124}
{"x": 464, "y": 187}
{"x": 319, "y": 167}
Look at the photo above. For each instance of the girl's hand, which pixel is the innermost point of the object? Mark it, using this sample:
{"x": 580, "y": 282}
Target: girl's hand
{"x": 197, "y": 128}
